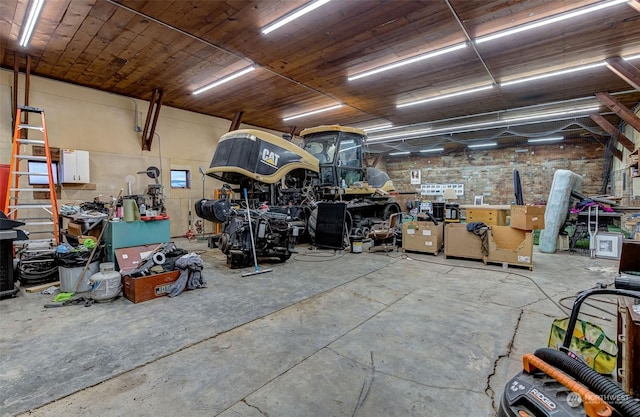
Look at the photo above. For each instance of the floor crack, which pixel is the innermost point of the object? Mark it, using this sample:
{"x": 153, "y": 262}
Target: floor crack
{"x": 355, "y": 362}
{"x": 488, "y": 390}
{"x": 256, "y": 407}
{"x": 366, "y": 387}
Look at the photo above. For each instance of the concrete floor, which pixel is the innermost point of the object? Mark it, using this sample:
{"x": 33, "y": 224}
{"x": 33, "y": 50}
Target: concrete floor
{"x": 367, "y": 334}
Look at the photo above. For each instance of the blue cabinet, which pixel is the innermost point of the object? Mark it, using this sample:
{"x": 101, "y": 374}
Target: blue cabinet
{"x": 125, "y": 234}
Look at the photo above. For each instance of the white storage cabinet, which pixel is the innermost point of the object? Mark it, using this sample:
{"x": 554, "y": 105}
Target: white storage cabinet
{"x": 75, "y": 166}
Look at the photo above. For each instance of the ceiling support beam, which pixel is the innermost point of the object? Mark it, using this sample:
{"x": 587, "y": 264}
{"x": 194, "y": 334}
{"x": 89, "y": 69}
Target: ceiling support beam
{"x": 377, "y": 159}
{"x": 237, "y": 119}
{"x": 16, "y": 72}
{"x": 154, "y": 109}
{"x": 615, "y": 134}
{"x": 620, "y": 109}
{"x": 635, "y": 4}
{"x": 27, "y": 88}
{"x": 616, "y": 152}
{"x": 624, "y": 70}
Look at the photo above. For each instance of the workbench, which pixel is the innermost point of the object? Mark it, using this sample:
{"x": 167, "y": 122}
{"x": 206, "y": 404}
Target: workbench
{"x": 121, "y": 234}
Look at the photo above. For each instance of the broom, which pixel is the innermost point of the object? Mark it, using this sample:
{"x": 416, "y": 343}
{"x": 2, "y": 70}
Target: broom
{"x": 253, "y": 245}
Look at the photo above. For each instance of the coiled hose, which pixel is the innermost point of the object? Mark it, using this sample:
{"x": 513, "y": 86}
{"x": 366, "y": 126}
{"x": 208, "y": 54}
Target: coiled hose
{"x": 599, "y": 384}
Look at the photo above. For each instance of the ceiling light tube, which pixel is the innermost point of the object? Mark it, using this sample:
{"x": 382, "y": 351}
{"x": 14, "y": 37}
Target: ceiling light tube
{"x": 631, "y": 58}
{"x": 552, "y": 74}
{"x": 286, "y": 119}
{"x": 459, "y": 93}
{"x": 30, "y": 22}
{"x": 408, "y": 61}
{"x": 293, "y": 16}
{"x": 482, "y": 145}
{"x": 405, "y": 134}
{"x": 432, "y": 150}
{"x": 225, "y": 79}
{"x": 551, "y": 139}
{"x": 568, "y": 112}
{"x": 377, "y": 128}
{"x": 547, "y": 21}
{"x": 399, "y": 153}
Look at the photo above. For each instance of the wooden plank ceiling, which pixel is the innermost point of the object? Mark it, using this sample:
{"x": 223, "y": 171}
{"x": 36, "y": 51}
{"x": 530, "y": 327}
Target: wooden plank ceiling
{"x": 132, "y": 47}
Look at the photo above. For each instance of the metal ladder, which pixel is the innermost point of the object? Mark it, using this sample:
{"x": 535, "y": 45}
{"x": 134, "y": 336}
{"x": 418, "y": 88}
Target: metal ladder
{"x": 27, "y": 209}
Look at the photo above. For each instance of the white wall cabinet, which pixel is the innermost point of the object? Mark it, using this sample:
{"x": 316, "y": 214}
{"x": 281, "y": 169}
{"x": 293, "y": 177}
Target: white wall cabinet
{"x": 75, "y": 166}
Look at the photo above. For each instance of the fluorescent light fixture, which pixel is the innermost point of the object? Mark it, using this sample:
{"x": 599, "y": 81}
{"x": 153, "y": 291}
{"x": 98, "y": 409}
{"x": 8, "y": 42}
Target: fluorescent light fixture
{"x": 482, "y": 145}
{"x": 551, "y": 139}
{"x": 408, "y": 61}
{"x": 551, "y": 115}
{"x": 225, "y": 79}
{"x": 30, "y": 23}
{"x": 632, "y": 58}
{"x": 499, "y": 120}
{"x": 376, "y": 128}
{"x": 399, "y": 153}
{"x": 480, "y": 125}
{"x": 459, "y": 93}
{"x": 547, "y": 21}
{"x": 286, "y": 119}
{"x": 432, "y": 150}
{"x": 293, "y": 16}
{"x": 404, "y": 134}
{"x": 552, "y": 74}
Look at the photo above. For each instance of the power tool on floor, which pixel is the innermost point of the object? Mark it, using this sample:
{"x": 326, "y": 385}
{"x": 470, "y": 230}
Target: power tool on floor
{"x": 557, "y": 383}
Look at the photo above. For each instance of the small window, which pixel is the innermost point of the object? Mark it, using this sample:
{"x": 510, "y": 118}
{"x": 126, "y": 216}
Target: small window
{"x": 180, "y": 178}
{"x": 41, "y": 168}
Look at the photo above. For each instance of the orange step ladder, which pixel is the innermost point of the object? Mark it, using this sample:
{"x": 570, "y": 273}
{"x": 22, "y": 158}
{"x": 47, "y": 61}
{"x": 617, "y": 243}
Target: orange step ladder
{"x": 39, "y": 217}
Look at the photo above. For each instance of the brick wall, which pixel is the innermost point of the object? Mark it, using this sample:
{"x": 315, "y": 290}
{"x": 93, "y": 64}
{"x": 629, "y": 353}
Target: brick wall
{"x": 490, "y": 172}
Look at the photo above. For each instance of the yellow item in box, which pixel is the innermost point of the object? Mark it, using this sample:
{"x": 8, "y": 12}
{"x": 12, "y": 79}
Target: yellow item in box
{"x": 589, "y": 342}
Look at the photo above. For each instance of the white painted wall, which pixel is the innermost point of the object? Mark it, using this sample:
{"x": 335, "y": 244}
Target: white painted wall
{"x": 103, "y": 124}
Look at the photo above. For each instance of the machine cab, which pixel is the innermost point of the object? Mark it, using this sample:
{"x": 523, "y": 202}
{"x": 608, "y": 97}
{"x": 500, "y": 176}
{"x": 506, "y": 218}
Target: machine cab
{"x": 339, "y": 150}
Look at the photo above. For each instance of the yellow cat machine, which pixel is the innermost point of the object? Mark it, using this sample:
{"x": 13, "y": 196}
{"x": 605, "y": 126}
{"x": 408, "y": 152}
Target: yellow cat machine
{"x": 285, "y": 182}
{"x": 558, "y": 383}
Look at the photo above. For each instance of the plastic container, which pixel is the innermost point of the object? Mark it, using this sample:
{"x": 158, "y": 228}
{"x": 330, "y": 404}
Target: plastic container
{"x": 356, "y": 244}
{"x": 69, "y": 277}
{"x": 106, "y": 284}
{"x": 438, "y": 211}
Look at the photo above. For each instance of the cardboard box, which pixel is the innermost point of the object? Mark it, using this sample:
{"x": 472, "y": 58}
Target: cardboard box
{"x": 422, "y": 237}
{"x": 148, "y": 287}
{"x": 527, "y": 217}
{"x": 74, "y": 229}
{"x": 511, "y": 246}
{"x": 461, "y": 243}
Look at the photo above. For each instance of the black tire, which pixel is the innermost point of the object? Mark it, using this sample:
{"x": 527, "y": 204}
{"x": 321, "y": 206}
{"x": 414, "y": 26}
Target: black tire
{"x": 284, "y": 258}
{"x": 389, "y": 209}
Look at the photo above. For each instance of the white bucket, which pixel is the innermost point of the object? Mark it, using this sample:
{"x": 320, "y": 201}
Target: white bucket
{"x": 106, "y": 284}
{"x": 69, "y": 277}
